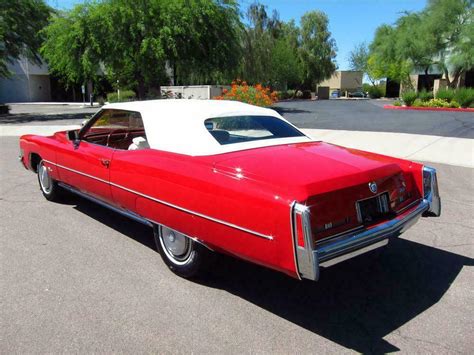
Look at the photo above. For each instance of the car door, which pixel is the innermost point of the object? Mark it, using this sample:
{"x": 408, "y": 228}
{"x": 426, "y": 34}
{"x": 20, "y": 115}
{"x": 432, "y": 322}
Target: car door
{"x": 85, "y": 164}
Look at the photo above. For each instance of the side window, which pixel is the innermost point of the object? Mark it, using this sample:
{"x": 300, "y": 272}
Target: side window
{"x": 118, "y": 129}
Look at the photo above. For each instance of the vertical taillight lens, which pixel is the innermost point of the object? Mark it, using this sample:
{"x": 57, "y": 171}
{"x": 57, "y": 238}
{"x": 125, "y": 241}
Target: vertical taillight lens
{"x": 299, "y": 230}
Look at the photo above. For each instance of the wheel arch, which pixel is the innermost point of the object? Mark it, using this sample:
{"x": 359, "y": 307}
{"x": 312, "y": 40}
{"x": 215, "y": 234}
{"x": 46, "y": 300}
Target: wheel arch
{"x": 34, "y": 160}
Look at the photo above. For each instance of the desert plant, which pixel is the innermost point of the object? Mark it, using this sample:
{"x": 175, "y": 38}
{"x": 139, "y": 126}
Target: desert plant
{"x": 445, "y": 94}
{"x": 409, "y": 97}
{"x": 125, "y": 95}
{"x": 464, "y": 96}
{"x": 255, "y": 95}
{"x": 425, "y": 95}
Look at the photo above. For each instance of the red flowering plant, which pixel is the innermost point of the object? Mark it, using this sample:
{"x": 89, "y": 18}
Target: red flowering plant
{"x": 252, "y": 94}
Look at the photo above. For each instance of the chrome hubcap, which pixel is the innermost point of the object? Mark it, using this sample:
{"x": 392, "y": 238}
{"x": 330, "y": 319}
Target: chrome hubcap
{"x": 176, "y": 245}
{"x": 45, "y": 180}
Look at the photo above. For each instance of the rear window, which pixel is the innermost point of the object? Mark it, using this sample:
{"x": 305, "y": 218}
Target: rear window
{"x": 238, "y": 129}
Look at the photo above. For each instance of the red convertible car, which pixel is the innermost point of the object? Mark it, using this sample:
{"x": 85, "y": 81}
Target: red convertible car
{"x": 234, "y": 178}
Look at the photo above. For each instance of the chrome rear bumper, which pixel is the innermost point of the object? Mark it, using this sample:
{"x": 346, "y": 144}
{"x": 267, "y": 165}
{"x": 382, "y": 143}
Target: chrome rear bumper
{"x": 312, "y": 256}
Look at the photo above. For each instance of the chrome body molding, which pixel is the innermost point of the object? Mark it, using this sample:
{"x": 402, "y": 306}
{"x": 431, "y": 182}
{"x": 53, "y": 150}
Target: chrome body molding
{"x": 121, "y": 211}
{"x": 182, "y": 209}
{"x": 313, "y": 256}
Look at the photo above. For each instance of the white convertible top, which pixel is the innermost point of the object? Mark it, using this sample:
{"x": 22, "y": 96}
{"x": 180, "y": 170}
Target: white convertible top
{"x": 178, "y": 125}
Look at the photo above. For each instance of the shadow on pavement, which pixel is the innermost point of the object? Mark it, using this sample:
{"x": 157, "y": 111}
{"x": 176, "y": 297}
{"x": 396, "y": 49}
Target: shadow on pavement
{"x": 355, "y": 303}
{"x": 27, "y": 118}
{"x": 283, "y": 110}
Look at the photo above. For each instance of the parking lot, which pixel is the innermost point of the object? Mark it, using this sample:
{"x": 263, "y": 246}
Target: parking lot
{"x": 78, "y": 278}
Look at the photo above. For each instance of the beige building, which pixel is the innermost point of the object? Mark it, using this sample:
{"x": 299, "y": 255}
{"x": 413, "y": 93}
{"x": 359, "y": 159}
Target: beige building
{"x": 344, "y": 80}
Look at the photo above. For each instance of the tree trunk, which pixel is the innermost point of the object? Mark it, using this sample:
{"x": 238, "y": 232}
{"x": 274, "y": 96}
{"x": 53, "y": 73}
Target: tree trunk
{"x": 455, "y": 82}
{"x": 141, "y": 87}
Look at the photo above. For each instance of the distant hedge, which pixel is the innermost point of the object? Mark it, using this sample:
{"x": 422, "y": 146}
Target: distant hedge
{"x": 125, "y": 95}
{"x": 462, "y": 97}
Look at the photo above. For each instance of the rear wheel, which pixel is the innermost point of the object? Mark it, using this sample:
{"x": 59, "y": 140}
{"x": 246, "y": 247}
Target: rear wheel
{"x": 49, "y": 187}
{"x": 184, "y": 256}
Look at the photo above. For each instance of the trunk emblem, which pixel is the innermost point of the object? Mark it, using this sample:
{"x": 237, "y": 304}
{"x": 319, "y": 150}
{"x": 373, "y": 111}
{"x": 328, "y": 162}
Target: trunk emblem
{"x": 373, "y": 187}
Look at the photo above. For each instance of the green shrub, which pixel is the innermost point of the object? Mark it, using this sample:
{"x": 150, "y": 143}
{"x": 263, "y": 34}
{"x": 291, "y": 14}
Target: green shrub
{"x": 299, "y": 94}
{"x": 437, "y": 103}
{"x": 418, "y": 103}
{"x": 464, "y": 96}
{"x": 454, "y": 104}
{"x": 425, "y": 95}
{"x": 125, "y": 95}
{"x": 4, "y": 109}
{"x": 445, "y": 94}
{"x": 366, "y": 87}
{"x": 397, "y": 103}
{"x": 291, "y": 93}
{"x": 409, "y": 97}
{"x": 376, "y": 92}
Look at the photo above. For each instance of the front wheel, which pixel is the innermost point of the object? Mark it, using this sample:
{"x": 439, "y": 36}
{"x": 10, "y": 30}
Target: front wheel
{"x": 184, "y": 256}
{"x": 49, "y": 187}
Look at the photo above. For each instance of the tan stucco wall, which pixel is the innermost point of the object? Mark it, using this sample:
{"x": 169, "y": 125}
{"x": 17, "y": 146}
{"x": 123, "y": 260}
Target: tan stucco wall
{"x": 344, "y": 80}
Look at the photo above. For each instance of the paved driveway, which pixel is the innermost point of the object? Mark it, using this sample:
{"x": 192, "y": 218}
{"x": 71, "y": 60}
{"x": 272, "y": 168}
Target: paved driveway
{"x": 369, "y": 115}
{"x": 78, "y": 278}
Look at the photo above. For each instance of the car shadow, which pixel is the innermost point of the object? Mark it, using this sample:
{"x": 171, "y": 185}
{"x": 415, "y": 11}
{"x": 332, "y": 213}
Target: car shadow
{"x": 355, "y": 304}
{"x": 38, "y": 117}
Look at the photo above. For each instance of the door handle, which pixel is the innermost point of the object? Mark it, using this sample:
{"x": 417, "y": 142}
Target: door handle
{"x": 105, "y": 162}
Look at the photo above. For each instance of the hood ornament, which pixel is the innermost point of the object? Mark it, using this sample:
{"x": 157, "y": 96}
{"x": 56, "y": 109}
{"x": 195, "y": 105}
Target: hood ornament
{"x": 373, "y": 187}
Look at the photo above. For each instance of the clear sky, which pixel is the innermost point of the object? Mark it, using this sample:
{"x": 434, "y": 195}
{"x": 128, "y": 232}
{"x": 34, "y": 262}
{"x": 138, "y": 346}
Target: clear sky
{"x": 350, "y": 21}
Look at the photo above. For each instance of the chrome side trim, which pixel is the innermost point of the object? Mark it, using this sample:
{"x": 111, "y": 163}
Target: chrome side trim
{"x": 179, "y": 208}
{"x": 121, "y": 211}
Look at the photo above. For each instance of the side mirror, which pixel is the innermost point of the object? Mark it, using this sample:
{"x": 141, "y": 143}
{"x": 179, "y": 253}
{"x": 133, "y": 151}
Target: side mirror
{"x": 73, "y": 136}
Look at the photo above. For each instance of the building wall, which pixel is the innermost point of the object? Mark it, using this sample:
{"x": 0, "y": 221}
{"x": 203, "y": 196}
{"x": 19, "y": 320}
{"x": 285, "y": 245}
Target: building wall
{"x": 347, "y": 80}
{"x": 28, "y": 82}
{"x": 351, "y": 80}
{"x": 334, "y": 82}
{"x": 196, "y": 91}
